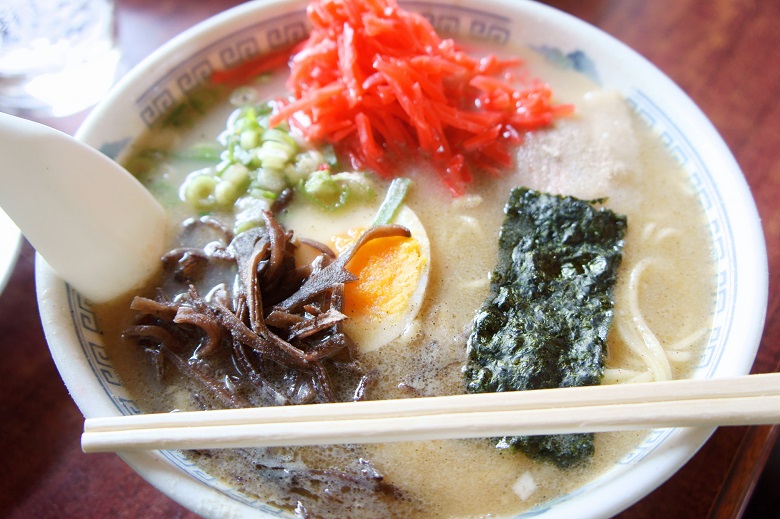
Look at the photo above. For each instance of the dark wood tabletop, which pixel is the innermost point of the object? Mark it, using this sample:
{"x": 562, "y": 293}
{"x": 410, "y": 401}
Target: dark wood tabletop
{"x": 723, "y": 53}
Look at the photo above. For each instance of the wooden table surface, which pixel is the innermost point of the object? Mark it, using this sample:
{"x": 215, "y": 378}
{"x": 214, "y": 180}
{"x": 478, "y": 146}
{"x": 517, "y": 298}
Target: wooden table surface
{"x": 723, "y": 53}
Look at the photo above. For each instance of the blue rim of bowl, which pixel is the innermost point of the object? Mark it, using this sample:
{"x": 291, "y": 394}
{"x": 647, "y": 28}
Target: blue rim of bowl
{"x": 256, "y": 38}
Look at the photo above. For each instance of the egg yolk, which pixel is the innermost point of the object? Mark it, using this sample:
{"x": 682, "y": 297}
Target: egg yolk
{"x": 388, "y": 269}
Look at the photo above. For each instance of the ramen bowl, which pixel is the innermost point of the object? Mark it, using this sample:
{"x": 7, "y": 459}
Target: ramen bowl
{"x": 149, "y": 91}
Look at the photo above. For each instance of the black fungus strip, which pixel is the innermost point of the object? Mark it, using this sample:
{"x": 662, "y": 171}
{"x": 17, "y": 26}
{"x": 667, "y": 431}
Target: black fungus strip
{"x": 241, "y": 340}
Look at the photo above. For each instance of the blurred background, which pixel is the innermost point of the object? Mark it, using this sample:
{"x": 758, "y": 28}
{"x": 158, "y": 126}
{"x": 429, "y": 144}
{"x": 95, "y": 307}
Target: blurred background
{"x": 723, "y": 53}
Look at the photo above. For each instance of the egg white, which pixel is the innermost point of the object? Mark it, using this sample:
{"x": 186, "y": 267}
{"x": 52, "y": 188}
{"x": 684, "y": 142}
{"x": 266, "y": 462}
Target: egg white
{"x": 368, "y": 335}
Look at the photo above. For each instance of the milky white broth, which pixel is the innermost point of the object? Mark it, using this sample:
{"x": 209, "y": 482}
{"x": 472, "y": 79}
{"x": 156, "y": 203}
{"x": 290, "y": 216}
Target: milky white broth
{"x": 604, "y": 150}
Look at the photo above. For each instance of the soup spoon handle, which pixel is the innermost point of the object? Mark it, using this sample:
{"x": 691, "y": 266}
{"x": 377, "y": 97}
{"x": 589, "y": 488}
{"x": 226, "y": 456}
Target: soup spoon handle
{"x": 90, "y": 219}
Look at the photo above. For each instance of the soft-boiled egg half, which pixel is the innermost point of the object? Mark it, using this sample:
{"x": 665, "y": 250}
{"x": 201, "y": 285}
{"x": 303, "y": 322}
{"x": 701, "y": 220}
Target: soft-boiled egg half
{"x": 392, "y": 272}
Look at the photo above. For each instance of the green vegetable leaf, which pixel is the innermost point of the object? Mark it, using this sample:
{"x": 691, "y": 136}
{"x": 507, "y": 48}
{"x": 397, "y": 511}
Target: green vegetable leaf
{"x": 394, "y": 198}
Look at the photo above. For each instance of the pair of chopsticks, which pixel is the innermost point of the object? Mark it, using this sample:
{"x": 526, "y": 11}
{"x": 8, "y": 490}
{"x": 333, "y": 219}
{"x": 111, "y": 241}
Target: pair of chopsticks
{"x": 746, "y": 400}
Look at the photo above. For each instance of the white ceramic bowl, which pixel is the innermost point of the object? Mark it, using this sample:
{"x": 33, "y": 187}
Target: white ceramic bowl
{"x": 224, "y": 40}
{"x": 10, "y": 243}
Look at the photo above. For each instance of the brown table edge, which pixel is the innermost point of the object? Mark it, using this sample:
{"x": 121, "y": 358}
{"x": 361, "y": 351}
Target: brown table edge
{"x": 745, "y": 470}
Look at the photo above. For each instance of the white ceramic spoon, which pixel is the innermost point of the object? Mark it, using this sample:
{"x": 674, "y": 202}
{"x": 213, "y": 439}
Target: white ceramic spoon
{"x": 92, "y": 221}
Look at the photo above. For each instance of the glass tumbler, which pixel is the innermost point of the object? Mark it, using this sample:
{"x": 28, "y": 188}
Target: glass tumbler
{"x": 57, "y": 57}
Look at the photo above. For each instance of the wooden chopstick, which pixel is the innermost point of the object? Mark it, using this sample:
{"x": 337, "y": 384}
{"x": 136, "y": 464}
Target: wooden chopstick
{"x": 752, "y": 399}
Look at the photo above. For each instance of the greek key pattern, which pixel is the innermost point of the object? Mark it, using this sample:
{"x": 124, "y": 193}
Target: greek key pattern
{"x": 188, "y": 466}
{"x": 198, "y": 72}
{"x": 91, "y": 340}
{"x": 282, "y": 31}
{"x": 703, "y": 186}
{"x": 127, "y": 406}
{"x": 450, "y": 20}
{"x": 653, "y": 440}
{"x": 226, "y": 53}
{"x": 576, "y": 60}
{"x": 291, "y": 32}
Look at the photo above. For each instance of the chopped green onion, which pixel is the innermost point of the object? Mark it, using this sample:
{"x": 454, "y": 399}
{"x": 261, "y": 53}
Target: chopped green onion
{"x": 260, "y": 162}
{"x": 249, "y": 212}
{"x": 360, "y": 186}
{"x": 256, "y": 192}
{"x": 270, "y": 179}
{"x": 237, "y": 174}
{"x": 305, "y": 164}
{"x": 226, "y": 193}
{"x": 277, "y": 135}
{"x": 249, "y": 139}
{"x": 198, "y": 190}
{"x": 324, "y": 191}
{"x": 274, "y": 154}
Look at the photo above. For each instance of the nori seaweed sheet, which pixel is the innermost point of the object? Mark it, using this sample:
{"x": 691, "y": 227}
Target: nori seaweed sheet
{"x": 546, "y": 321}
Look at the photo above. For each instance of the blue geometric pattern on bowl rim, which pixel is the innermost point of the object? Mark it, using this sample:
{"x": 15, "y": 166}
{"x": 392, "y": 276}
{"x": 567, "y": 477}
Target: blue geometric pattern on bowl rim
{"x": 281, "y": 31}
